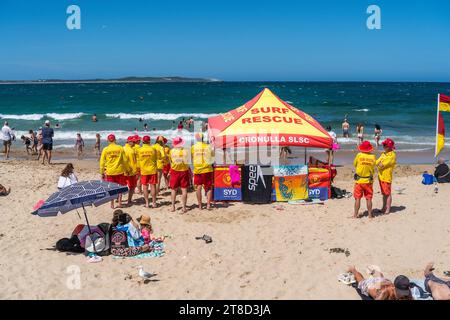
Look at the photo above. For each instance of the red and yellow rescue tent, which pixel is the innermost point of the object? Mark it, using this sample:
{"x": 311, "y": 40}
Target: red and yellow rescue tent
{"x": 266, "y": 120}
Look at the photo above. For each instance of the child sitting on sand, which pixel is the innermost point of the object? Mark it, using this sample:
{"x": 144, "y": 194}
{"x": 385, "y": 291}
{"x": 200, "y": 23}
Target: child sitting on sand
{"x": 147, "y": 229}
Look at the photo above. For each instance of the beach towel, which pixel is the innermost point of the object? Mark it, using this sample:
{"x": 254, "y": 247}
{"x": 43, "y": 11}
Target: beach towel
{"x": 418, "y": 290}
{"x": 257, "y": 184}
{"x": 291, "y": 182}
{"x": 224, "y": 190}
{"x": 235, "y": 174}
{"x": 318, "y": 183}
{"x": 291, "y": 188}
{"x": 158, "y": 251}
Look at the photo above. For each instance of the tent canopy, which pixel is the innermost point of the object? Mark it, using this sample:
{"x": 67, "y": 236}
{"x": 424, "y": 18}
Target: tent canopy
{"x": 266, "y": 120}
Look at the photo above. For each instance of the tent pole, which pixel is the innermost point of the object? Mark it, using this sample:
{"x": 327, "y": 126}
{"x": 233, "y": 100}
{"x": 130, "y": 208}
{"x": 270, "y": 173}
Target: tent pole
{"x": 305, "y": 155}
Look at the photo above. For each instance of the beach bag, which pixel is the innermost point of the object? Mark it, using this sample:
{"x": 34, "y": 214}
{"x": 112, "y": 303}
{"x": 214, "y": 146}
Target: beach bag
{"x": 427, "y": 179}
{"x": 337, "y": 193}
{"x": 69, "y": 245}
{"x": 94, "y": 240}
{"x": 96, "y": 243}
{"x": 119, "y": 239}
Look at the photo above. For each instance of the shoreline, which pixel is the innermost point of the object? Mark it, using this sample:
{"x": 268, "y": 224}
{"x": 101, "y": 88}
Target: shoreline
{"x": 342, "y": 157}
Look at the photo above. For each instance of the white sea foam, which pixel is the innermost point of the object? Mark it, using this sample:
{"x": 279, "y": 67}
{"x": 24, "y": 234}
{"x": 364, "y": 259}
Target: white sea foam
{"x": 39, "y": 116}
{"x": 65, "y": 116}
{"x": 62, "y": 136}
{"x": 159, "y": 116}
{"x": 32, "y": 117}
{"x": 361, "y": 110}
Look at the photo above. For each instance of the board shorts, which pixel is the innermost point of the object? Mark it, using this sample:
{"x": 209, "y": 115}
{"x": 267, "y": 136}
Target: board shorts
{"x": 6, "y": 142}
{"x": 131, "y": 182}
{"x": 166, "y": 169}
{"x": 179, "y": 179}
{"x": 149, "y": 179}
{"x": 47, "y": 146}
{"x": 119, "y": 179}
{"x": 385, "y": 188}
{"x": 204, "y": 179}
{"x": 363, "y": 190}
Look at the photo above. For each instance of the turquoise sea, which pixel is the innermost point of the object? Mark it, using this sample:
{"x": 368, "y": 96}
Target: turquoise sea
{"x": 405, "y": 111}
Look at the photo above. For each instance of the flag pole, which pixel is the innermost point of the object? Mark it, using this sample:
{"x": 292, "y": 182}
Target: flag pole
{"x": 437, "y": 126}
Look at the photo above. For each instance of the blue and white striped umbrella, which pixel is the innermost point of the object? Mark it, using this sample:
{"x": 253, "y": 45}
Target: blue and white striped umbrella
{"x": 80, "y": 194}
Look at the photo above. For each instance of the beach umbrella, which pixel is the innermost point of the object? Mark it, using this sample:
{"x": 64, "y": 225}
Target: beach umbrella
{"x": 80, "y": 195}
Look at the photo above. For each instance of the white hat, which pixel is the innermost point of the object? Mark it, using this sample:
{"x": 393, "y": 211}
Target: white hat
{"x": 47, "y": 121}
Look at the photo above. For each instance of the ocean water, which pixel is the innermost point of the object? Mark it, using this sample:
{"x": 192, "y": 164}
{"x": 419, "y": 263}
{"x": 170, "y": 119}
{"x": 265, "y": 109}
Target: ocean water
{"x": 405, "y": 111}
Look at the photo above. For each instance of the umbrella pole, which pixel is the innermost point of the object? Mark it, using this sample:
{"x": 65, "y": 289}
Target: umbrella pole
{"x": 89, "y": 227}
{"x": 85, "y": 216}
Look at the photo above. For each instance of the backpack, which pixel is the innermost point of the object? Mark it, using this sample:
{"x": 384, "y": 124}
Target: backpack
{"x": 337, "y": 193}
{"x": 69, "y": 245}
{"x": 119, "y": 239}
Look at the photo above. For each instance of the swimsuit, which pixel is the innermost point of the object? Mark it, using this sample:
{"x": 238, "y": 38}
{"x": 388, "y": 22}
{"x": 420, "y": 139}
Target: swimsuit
{"x": 432, "y": 277}
{"x": 371, "y": 283}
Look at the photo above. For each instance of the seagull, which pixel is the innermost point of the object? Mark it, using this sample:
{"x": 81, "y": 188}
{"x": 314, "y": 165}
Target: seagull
{"x": 400, "y": 190}
{"x": 145, "y": 275}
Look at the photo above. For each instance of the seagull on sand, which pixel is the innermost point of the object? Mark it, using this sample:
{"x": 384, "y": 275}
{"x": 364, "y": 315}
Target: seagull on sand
{"x": 145, "y": 275}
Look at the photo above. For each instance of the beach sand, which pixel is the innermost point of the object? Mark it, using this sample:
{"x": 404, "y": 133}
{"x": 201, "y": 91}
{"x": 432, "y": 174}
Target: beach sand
{"x": 258, "y": 252}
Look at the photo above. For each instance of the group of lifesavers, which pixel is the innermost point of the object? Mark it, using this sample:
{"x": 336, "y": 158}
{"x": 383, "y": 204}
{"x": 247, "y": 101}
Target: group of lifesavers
{"x": 365, "y": 163}
{"x": 142, "y": 167}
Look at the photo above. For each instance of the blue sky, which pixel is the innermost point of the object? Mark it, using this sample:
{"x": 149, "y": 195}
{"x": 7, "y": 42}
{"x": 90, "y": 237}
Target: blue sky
{"x": 322, "y": 40}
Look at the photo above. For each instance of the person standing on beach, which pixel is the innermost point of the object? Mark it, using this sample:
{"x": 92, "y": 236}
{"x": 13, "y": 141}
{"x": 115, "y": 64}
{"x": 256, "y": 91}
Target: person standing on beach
{"x": 364, "y": 164}
{"x": 97, "y": 146}
{"x": 47, "y": 142}
{"x": 159, "y": 147}
{"x": 137, "y": 146}
{"x": 360, "y": 133}
{"x": 39, "y": 144}
{"x": 166, "y": 163}
{"x": 79, "y": 145}
{"x": 202, "y": 157}
{"x": 113, "y": 165}
{"x": 377, "y": 134}
{"x": 346, "y": 128}
{"x": 148, "y": 163}
{"x": 7, "y": 137}
{"x": 330, "y": 152}
{"x": 179, "y": 172}
{"x": 132, "y": 159}
{"x": 386, "y": 165}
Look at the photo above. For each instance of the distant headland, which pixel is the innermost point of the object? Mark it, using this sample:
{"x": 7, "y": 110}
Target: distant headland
{"x": 130, "y": 79}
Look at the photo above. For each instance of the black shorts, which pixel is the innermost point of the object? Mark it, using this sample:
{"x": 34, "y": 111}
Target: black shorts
{"x": 47, "y": 146}
{"x": 6, "y": 142}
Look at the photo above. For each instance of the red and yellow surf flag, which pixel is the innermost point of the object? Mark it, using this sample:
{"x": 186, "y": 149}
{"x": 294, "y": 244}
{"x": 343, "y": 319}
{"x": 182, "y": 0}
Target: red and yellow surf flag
{"x": 443, "y": 106}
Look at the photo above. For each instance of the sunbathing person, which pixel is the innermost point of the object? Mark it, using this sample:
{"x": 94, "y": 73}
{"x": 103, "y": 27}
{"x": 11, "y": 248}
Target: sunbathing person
{"x": 438, "y": 287}
{"x": 126, "y": 239}
{"x": 380, "y": 288}
{"x": 4, "y": 191}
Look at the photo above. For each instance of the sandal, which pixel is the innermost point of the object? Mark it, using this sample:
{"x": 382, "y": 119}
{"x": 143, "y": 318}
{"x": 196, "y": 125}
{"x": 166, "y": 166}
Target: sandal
{"x": 347, "y": 278}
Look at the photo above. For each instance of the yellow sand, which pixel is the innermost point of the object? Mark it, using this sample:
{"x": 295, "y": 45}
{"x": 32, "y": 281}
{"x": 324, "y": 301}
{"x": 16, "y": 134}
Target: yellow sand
{"x": 258, "y": 252}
